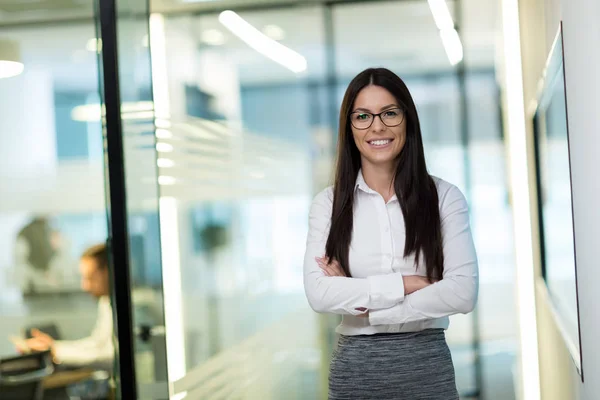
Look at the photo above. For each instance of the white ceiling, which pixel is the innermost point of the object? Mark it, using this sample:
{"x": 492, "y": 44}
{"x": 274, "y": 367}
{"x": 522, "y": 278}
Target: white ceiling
{"x": 398, "y": 34}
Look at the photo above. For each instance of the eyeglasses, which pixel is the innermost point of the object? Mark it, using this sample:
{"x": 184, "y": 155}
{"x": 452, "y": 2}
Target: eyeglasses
{"x": 390, "y": 118}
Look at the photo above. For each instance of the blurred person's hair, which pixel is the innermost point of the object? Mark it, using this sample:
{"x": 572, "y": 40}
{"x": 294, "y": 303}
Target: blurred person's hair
{"x": 38, "y": 234}
{"x": 99, "y": 253}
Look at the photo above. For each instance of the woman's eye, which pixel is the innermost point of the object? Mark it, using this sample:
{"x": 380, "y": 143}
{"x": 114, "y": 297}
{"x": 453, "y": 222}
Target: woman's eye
{"x": 362, "y": 117}
{"x": 391, "y": 113}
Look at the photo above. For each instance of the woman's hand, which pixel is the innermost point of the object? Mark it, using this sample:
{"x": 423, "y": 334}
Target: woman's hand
{"x": 365, "y": 312}
{"x": 413, "y": 283}
{"x": 330, "y": 267}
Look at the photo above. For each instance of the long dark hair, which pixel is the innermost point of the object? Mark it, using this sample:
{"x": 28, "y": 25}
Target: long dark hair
{"x": 414, "y": 187}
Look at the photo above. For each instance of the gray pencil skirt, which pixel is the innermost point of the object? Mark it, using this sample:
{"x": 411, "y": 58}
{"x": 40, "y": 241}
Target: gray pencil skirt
{"x": 395, "y": 366}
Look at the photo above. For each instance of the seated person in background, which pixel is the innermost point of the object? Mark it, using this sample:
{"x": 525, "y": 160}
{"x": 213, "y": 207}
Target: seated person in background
{"x": 96, "y": 350}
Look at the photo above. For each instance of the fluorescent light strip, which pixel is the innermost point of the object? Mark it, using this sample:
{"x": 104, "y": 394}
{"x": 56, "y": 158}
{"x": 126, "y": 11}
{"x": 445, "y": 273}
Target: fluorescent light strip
{"x": 452, "y": 45}
{"x": 94, "y": 45}
{"x": 129, "y": 110}
{"x": 171, "y": 273}
{"x": 441, "y": 14}
{"x": 261, "y": 43}
{"x": 449, "y": 35}
{"x": 520, "y": 186}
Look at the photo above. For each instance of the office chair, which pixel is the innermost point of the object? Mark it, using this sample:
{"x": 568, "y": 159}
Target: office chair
{"x": 21, "y": 378}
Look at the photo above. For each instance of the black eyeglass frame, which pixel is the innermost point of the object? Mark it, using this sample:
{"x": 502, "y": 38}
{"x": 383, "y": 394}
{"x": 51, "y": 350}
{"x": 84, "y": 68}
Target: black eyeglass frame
{"x": 377, "y": 115}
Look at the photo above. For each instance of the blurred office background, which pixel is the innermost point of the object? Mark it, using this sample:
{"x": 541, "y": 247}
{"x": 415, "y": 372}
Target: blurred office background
{"x": 239, "y": 147}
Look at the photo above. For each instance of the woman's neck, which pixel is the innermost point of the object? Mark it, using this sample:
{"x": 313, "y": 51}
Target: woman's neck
{"x": 380, "y": 179}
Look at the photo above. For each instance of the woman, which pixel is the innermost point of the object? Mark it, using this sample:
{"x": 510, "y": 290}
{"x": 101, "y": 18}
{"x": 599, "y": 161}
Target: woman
{"x": 390, "y": 248}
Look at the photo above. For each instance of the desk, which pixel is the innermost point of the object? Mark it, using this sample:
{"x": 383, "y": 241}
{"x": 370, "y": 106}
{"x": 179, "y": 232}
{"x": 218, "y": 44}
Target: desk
{"x": 55, "y": 385}
{"x": 63, "y": 379}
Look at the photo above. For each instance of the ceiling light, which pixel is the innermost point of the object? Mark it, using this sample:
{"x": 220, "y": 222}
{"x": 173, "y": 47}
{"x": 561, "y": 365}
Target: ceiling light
{"x": 449, "y": 35}
{"x": 213, "y": 37}
{"x": 452, "y": 45}
{"x": 87, "y": 112}
{"x": 441, "y": 14}
{"x": 94, "y": 45}
{"x": 261, "y": 43}
{"x": 274, "y": 32}
{"x": 129, "y": 110}
{"x": 10, "y": 59}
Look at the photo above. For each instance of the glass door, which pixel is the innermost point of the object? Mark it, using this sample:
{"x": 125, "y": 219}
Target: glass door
{"x": 133, "y": 199}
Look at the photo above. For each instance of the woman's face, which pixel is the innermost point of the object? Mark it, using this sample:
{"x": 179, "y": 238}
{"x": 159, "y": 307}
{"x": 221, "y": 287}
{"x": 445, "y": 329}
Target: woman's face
{"x": 379, "y": 144}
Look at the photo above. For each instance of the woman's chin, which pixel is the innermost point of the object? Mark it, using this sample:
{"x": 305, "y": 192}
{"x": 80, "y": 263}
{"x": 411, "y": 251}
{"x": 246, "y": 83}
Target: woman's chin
{"x": 381, "y": 160}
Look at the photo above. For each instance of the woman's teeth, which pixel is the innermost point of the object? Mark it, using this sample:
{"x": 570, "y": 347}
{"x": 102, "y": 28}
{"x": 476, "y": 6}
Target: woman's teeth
{"x": 380, "y": 142}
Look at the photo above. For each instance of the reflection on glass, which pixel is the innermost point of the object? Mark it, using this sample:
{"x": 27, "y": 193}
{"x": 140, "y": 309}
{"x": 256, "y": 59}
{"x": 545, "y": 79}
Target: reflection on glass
{"x": 239, "y": 161}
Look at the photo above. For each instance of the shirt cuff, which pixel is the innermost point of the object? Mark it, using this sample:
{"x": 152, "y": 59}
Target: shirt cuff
{"x": 58, "y": 352}
{"x": 386, "y": 290}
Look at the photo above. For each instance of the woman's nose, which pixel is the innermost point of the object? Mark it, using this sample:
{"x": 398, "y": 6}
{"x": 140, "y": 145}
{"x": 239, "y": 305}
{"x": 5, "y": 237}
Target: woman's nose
{"x": 378, "y": 124}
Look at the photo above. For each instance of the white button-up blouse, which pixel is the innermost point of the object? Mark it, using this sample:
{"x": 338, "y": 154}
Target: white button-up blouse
{"x": 377, "y": 265}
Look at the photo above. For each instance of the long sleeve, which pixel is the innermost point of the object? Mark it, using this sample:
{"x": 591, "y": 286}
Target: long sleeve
{"x": 457, "y": 291}
{"x": 94, "y": 350}
{"x": 341, "y": 295}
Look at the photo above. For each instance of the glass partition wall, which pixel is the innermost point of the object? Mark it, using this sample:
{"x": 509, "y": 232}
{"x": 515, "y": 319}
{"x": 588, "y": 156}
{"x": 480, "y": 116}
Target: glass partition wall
{"x": 52, "y": 184}
{"x": 209, "y": 127}
{"x": 79, "y": 169}
{"x": 252, "y": 139}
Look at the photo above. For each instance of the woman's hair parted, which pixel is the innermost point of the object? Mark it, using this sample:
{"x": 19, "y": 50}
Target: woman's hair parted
{"x": 414, "y": 187}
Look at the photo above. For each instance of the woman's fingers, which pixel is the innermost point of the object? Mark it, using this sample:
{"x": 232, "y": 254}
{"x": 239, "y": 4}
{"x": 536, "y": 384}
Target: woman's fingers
{"x": 327, "y": 268}
{"x": 338, "y": 268}
{"x": 332, "y": 268}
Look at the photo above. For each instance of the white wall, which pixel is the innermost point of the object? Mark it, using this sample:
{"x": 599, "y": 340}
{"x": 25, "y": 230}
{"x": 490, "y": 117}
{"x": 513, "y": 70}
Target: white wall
{"x": 581, "y": 31}
{"x": 539, "y": 23}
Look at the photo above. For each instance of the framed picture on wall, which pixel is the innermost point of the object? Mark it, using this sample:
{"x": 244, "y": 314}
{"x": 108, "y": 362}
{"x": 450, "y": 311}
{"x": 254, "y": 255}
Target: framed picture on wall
{"x": 555, "y": 200}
